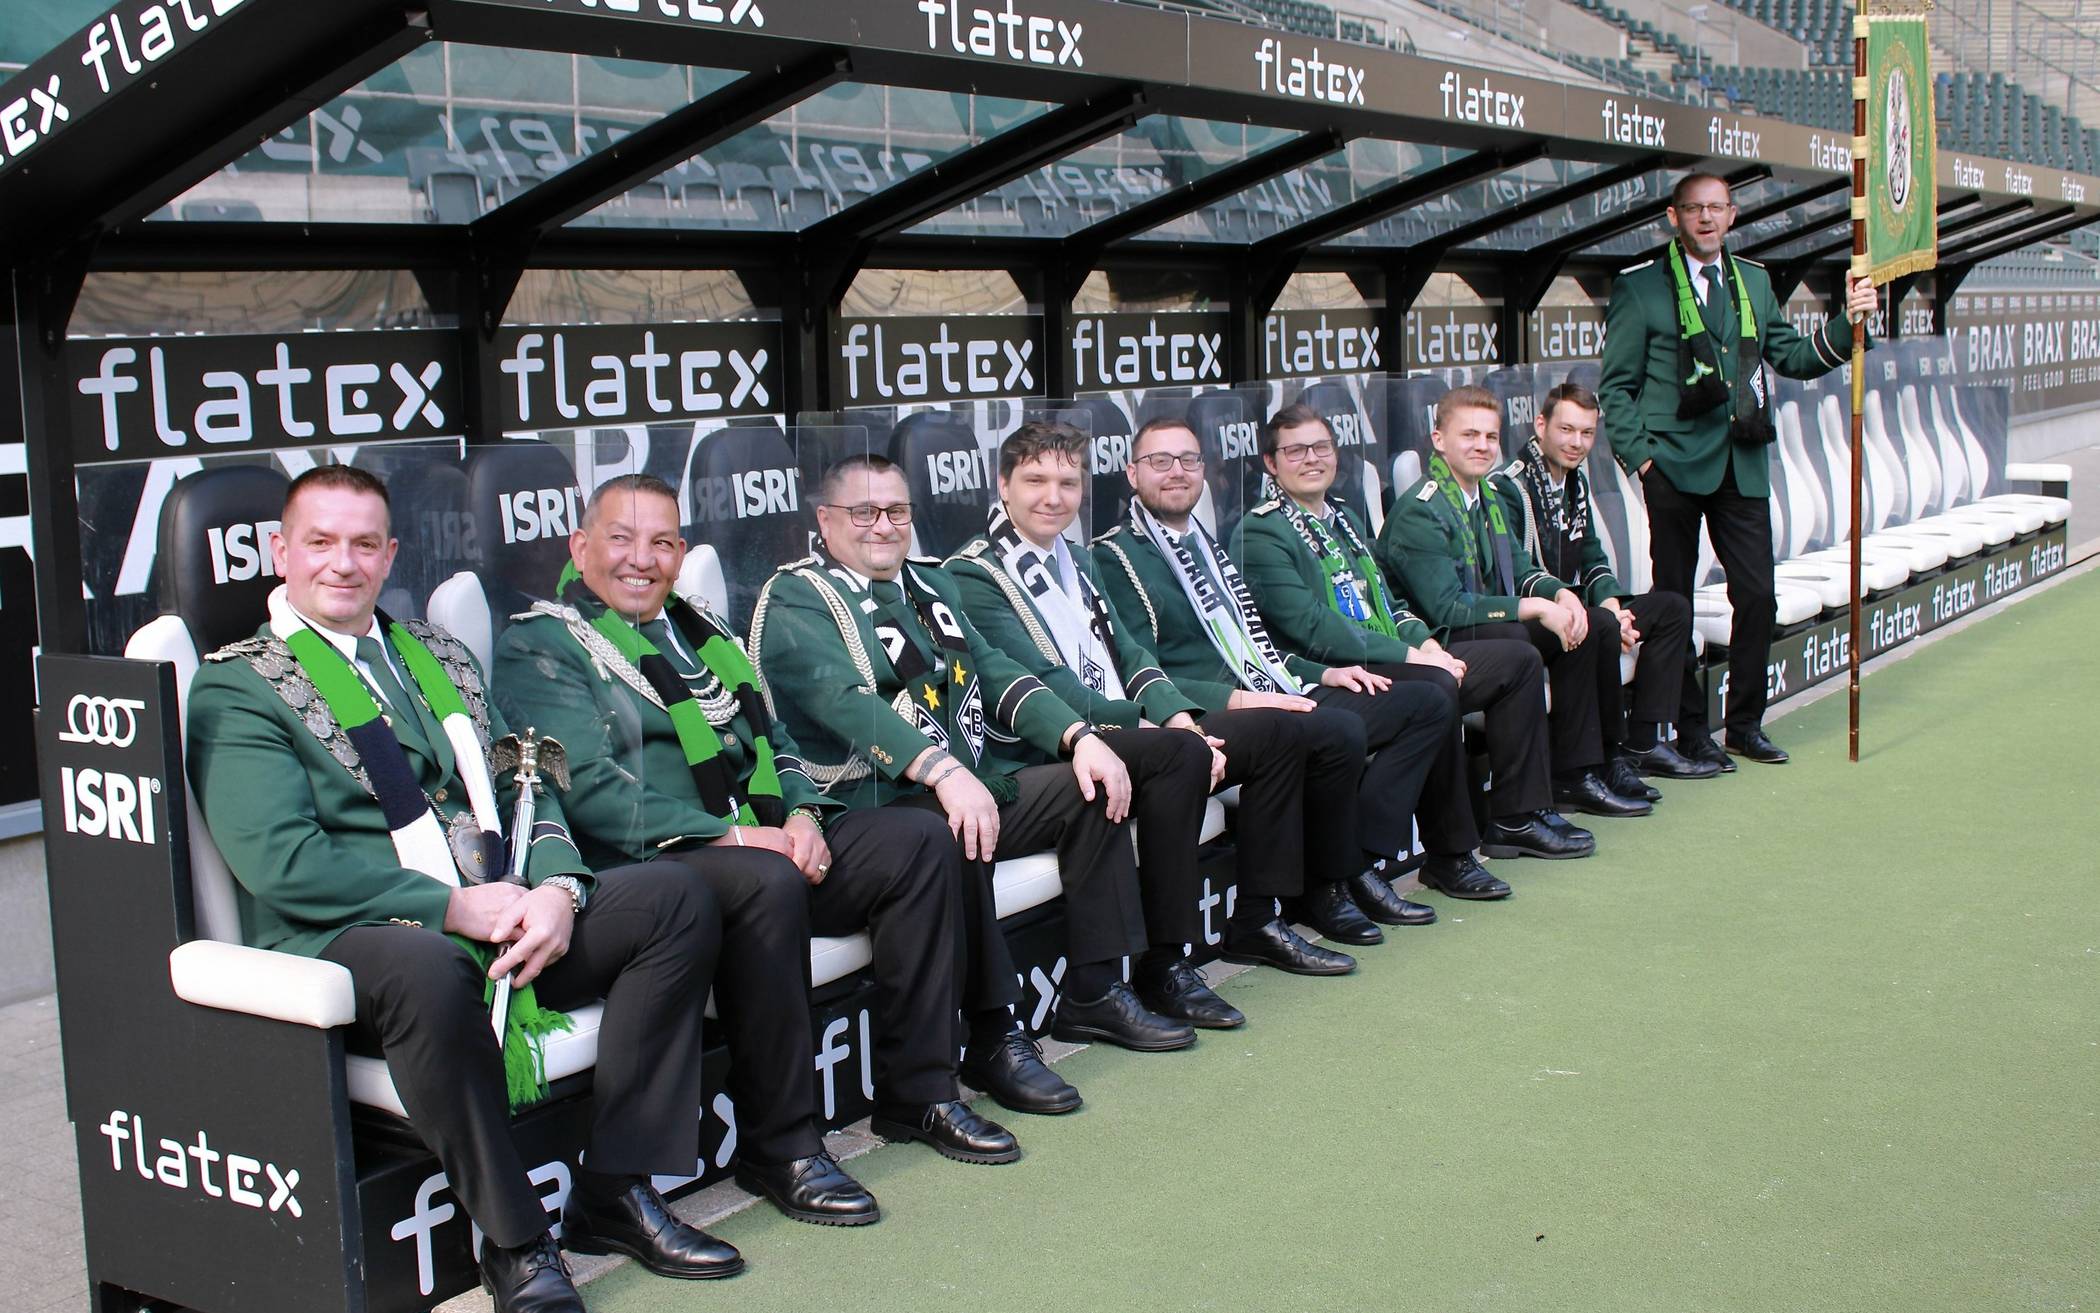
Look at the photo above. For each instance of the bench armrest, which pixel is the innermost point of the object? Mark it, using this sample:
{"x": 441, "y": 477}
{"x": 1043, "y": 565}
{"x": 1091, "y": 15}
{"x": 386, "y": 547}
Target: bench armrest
{"x": 2034, "y": 471}
{"x": 306, "y": 991}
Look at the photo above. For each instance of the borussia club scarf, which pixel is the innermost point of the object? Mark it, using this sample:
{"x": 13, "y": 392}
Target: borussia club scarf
{"x": 419, "y": 839}
{"x": 1699, "y": 361}
{"x": 1078, "y": 625}
{"x": 1229, "y": 616}
{"x": 1355, "y": 585}
{"x": 1468, "y": 541}
{"x": 941, "y": 698}
{"x": 702, "y": 745}
{"x": 1565, "y": 509}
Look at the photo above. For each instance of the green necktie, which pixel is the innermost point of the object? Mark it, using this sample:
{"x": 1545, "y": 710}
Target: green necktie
{"x": 410, "y": 718}
{"x": 1720, "y": 311}
{"x": 658, "y": 632}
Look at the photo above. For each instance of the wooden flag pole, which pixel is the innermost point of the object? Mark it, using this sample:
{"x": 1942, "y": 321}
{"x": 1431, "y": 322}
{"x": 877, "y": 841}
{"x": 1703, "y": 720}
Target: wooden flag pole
{"x": 1859, "y": 359}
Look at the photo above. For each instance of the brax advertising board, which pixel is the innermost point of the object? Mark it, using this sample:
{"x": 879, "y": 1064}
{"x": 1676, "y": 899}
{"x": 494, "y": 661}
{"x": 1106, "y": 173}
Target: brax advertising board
{"x": 2044, "y": 345}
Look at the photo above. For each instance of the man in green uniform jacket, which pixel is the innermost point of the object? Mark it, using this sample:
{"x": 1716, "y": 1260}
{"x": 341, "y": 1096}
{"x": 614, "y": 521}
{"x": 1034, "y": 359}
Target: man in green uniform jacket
{"x": 896, "y": 698}
{"x": 1322, "y": 593}
{"x": 674, "y": 750}
{"x": 1688, "y": 340}
{"x": 1455, "y": 545}
{"x": 1042, "y": 604}
{"x": 340, "y": 760}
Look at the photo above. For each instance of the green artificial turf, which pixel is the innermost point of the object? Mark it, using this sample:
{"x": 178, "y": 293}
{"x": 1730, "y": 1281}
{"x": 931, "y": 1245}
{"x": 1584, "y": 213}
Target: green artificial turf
{"x": 1823, "y": 1036}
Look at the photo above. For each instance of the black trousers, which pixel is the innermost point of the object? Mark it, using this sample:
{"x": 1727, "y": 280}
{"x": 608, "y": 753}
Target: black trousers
{"x": 1506, "y": 682}
{"x": 1665, "y": 624}
{"x": 1298, "y": 774}
{"x": 896, "y": 871}
{"x": 1741, "y": 531}
{"x": 1407, "y": 729}
{"x": 1577, "y": 674}
{"x": 647, "y": 943}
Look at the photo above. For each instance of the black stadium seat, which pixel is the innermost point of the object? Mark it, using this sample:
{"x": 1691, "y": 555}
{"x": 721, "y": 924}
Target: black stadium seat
{"x": 200, "y": 516}
{"x": 522, "y": 504}
{"x": 428, "y": 492}
{"x": 950, "y": 477}
{"x": 1227, "y": 427}
{"x": 1108, "y": 431}
{"x": 750, "y": 503}
{"x": 1411, "y": 413}
{"x": 1356, "y": 440}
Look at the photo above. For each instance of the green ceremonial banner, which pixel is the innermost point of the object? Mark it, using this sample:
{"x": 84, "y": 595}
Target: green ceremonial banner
{"x": 1902, "y": 203}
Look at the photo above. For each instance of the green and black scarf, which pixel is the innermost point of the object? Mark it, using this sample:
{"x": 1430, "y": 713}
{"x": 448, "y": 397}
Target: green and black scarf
{"x": 1355, "y": 585}
{"x": 761, "y": 803}
{"x": 1468, "y": 541}
{"x": 1705, "y": 387}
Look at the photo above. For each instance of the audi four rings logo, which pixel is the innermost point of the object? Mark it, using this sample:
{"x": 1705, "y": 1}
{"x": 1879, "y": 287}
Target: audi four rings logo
{"x": 110, "y": 722}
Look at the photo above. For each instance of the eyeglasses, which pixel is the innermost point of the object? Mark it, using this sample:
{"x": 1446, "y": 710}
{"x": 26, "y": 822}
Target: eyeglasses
{"x": 1299, "y": 452}
{"x": 1716, "y": 209}
{"x": 1159, "y": 462}
{"x": 865, "y": 514}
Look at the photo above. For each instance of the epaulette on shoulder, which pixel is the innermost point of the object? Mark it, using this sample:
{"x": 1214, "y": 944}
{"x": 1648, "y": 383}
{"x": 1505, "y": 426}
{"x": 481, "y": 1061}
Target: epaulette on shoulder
{"x": 1105, "y": 537}
{"x": 933, "y": 562}
{"x": 1266, "y": 507}
{"x": 242, "y": 649}
{"x": 1515, "y": 469}
{"x": 975, "y": 548}
{"x": 1744, "y": 259}
{"x": 1427, "y": 491}
{"x": 790, "y": 567}
{"x": 1636, "y": 268}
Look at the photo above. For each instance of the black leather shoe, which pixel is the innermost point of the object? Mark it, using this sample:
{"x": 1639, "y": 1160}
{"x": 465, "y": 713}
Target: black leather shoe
{"x": 1665, "y": 760}
{"x": 1460, "y": 875}
{"x": 1627, "y": 782}
{"x": 1589, "y": 793}
{"x": 1754, "y": 745}
{"x": 813, "y": 1189}
{"x": 1327, "y": 907}
{"x": 1532, "y": 835}
{"x": 639, "y": 1224}
{"x": 1013, "y": 1072}
{"x": 533, "y": 1278}
{"x": 1376, "y": 898}
{"x": 1698, "y": 746}
{"x": 952, "y": 1128}
{"x": 1277, "y": 945}
{"x": 1118, "y": 1018}
{"x": 1177, "y": 990}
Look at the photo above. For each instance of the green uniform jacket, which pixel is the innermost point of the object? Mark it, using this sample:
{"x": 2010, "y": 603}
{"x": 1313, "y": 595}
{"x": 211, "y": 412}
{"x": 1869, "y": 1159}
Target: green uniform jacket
{"x": 1291, "y": 589}
{"x": 836, "y": 700}
{"x": 1596, "y": 581}
{"x": 1139, "y": 581}
{"x": 1003, "y": 612}
{"x": 631, "y": 792}
{"x": 306, "y": 841}
{"x": 1420, "y": 551}
{"x": 1639, "y": 387}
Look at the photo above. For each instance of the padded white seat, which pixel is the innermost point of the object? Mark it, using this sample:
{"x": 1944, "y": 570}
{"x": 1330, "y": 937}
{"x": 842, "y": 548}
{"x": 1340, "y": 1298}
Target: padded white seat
{"x": 1714, "y": 618}
{"x": 1831, "y": 584}
{"x": 1878, "y": 570}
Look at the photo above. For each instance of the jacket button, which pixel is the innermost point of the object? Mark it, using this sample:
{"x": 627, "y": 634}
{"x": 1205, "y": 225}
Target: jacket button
{"x": 729, "y": 737}
{"x": 439, "y": 796}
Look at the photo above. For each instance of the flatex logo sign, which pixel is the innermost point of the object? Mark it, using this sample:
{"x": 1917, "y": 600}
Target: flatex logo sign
{"x": 621, "y": 374}
{"x": 143, "y": 397}
{"x": 1003, "y": 33}
{"x": 1131, "y": 350}
{"x": 1460, "y": 335}
{"x": 1303, "y": 73}
{"x": 1301, "y": 343}
{"x": 925, "y": 358}
{"x": 1566, "y": 332}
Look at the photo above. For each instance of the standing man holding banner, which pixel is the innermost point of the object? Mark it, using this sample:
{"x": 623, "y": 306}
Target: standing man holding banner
{"x": 1689, "y": 343}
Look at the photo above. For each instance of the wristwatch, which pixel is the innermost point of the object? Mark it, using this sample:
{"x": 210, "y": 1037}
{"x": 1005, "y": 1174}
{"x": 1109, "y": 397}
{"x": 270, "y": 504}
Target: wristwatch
{"x": 570, "y": 885}
{"x": 1080, "y": 733}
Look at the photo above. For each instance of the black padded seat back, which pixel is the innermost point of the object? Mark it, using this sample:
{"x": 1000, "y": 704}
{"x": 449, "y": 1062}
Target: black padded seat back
{"x": 750, "y": 502}
{"x": 1411, "y": 415}
{"x": 1512, "y": 387}
{"x": 1229, "y": 432}
{"x": 1356, "y": 442}
{"x": 950, "y": 477}
{"x": 1108, "y": 428}
{"x": 215, "y": 567}
{"x": 428, "y": 492}
{"x": 523, "y": 502}
{"x": 1610, "y": 489}
{"x": 1583, "y": 374}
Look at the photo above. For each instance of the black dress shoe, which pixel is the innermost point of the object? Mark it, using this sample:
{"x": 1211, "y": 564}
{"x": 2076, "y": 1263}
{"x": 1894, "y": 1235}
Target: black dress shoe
{"x": 1460, "y": 875}
{"x": 952, "y": 1128}
{"x": 1013, "y": 1072}
{"x": 1277, "y": 945}
{"x": 1177, "y": 990}
{"x": 638, "y": 1223}
{"x": 1588, "y": 792}
{"x": 1376, "y": 898}
{"x": 1698, "y": 746}
{"x": 1665, "y": 760}
{"x": 1533, "y": 835}
{"x": 1626, "y": 781}
{"x": 1327, "y": 907}
{"x": 1753, "y": 744}
{"x": 533, "y": 1278}
{"x": 813, "y": 1189}
{"x": 1118, "y": 1018}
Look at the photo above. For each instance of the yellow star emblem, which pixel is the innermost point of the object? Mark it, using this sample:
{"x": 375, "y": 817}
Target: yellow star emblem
{"x": 960, "y": 674}
{"x": 933, "y": 697}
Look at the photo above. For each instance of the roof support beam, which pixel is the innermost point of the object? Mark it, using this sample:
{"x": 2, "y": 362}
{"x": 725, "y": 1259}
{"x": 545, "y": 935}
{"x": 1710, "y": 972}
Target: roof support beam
{"x": 1527, "y": 274}
{"x": 1841, "y": 216}
{"x": 1435, "y": 247}
{"x": 2054, "y": 224}
{"x": 1209, "y": 190}
{"x": 678, "y": 136}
